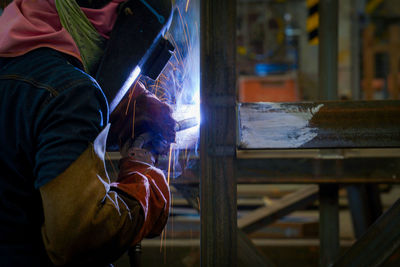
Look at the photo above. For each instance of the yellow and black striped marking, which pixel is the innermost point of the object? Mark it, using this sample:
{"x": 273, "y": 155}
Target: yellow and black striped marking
{"x": 372, "y": 5}
{"x": 313, "y": 21}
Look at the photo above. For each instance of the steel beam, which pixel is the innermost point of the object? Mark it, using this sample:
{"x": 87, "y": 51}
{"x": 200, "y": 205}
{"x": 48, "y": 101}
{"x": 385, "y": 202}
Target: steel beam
{"x": 365, "y": 206}
{"x": 249, "y": 254}
{"x": 328, "y": 223}
{"x": 284, "y": 168}
{"x": 355, "y": 49}
{"x": 328, "y": 81}
{"x": 218, "y": 133}
{"x": 380, "y": 241}
{"x": 263, "y": 216}
{"x": 333, "y": 124}
{"x": 328, "y": 49}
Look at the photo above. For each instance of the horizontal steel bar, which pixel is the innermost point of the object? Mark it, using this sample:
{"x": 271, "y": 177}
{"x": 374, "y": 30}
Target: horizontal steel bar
{"x": 301, "y": 170}
{"x": 340, "y": 153}
{"x": 334, "y": 124}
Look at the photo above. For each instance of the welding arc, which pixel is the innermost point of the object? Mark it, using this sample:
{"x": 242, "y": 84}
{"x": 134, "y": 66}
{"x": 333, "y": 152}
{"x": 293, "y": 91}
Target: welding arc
{"x": 186, "y": 124}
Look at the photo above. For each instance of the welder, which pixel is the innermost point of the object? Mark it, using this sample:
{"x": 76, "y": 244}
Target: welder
{"x": 60, "y": 82}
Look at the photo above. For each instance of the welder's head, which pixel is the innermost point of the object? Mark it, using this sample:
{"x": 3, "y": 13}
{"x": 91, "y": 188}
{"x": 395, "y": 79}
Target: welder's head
{"x": 136, "y": 45}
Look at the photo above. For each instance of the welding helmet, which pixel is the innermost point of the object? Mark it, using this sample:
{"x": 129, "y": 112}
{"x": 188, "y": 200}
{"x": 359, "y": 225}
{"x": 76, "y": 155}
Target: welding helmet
{"x": 136, "y": 45}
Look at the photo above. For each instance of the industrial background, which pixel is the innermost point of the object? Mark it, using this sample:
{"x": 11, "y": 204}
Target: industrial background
{"x": 296, "y": 161}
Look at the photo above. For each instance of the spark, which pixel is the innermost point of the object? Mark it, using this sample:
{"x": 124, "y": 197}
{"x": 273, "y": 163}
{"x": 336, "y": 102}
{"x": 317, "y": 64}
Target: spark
{"x": 161, "y": 240}
{"x": 187, "y": 30}
{"x": 165, "y": 247}
{"x": 172, "y": 39}
{"x": 187, "y": 6}
{"x": 173, "y": 164}
{"x": 162, "y": 75}
{"x": 183, "y": 27}
{"x": 133, "y": 119}
{"x": 130, "y": 96}
{"x": 169, "y": 164}
{"x": 172, "y": 218}
{"x": 157, "y": 82}
{"x": 172, "y": 65}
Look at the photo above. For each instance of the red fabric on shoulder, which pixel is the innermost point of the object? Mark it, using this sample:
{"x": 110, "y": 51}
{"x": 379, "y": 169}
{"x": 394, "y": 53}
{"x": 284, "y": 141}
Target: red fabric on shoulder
{"x": 26, "y": 25}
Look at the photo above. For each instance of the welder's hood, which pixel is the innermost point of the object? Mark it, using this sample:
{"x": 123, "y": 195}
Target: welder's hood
{"x": 136, "y": 46}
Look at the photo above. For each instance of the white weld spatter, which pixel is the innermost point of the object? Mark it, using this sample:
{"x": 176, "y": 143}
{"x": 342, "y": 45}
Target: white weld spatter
{"x": 274, "y": 125}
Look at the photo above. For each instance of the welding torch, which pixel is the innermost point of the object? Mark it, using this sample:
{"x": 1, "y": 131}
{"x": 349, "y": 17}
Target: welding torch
{"x": 139, "y": 147}
{"x": 181, "y": 125}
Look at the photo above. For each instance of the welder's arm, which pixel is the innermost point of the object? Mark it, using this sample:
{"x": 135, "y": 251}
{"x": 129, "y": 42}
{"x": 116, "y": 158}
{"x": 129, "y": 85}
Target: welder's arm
{"x": 86, "y": 219}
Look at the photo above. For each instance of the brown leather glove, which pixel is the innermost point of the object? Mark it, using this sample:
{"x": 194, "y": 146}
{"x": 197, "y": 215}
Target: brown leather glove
{"x": 146, "y": 184}
{"x": 140, "y": 112}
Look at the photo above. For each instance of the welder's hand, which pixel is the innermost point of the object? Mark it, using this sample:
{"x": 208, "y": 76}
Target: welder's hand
{"x": 139, "y": 112}
{"x": 146, "y": 184}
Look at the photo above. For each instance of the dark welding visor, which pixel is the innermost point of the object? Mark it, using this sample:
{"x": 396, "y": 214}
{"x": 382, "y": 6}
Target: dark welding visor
{"x": 136, "y": 46}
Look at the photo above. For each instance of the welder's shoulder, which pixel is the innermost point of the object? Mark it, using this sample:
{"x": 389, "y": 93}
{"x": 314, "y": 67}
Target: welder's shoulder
{"x": 50, "y": 70}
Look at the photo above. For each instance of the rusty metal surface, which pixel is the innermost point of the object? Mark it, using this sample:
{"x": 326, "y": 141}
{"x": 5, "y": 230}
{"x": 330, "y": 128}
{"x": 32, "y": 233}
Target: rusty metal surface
{"x": 334, "y": 124}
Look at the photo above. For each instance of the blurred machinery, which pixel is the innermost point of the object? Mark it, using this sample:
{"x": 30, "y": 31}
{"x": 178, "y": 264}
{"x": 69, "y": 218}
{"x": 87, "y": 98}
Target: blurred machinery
{"x": 268, "y": 52}
{"x": 380, "y": 50}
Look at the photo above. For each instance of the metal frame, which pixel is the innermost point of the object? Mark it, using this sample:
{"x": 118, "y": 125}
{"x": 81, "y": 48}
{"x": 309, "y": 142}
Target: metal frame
{"x": 328, "y": 82}
{"x": 218, "y": 242}
{"x": 218, "y": 184}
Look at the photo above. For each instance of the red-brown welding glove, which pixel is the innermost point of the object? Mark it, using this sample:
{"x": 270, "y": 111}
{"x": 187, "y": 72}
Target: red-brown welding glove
{"x": 146, "y": 184}
{"x": 140, "y": 112}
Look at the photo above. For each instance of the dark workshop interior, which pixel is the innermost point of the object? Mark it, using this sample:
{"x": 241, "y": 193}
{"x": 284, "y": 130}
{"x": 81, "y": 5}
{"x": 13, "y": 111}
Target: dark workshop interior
{"x": 288, "y": 146}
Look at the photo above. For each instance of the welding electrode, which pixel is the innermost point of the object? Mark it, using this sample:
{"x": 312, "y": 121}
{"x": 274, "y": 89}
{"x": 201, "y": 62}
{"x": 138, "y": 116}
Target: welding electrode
{"x": 186, "y": 124}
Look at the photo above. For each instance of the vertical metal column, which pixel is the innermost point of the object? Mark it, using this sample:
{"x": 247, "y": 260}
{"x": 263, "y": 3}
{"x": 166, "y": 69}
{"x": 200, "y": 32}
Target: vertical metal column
{"x": 218, "y": 133}
{"x": 328, "y": 49}
{"x": 328, "y": 223}
{"x": 355, "y": 51}
{"x": 328, "y": 83}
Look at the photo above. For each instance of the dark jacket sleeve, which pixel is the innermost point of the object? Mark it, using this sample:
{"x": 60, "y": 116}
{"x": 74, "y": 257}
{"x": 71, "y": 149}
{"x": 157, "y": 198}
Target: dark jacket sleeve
{"x": 66, "y": 125}
{"x": 87, "y": 220}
